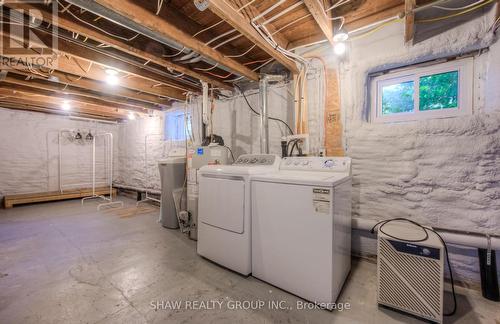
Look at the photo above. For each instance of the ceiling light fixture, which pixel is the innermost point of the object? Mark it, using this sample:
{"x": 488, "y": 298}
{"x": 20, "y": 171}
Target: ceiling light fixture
{"x": 131, "y": 116}
{"x": 340, "y": 36}
{"x": 112, "y": 77}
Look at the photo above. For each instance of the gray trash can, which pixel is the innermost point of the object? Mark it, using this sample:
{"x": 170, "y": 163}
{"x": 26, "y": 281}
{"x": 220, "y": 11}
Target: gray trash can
{"x": 172, "y": 175}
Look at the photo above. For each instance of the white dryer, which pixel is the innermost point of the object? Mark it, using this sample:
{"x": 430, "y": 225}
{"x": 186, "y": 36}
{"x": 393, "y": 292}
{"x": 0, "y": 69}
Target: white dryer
{"x": 301, "y": 227}
{"x": 224, "y": 224}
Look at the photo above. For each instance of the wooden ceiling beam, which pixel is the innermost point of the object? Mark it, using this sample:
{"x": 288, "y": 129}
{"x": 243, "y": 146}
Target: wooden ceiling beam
{"x": 70, "y": 25}
{"x": 48, "y": 96}
{"x": 71, "y": 94}
{"x": 29, "y": 99}
{"x": 51, "y": 109}
{"x": 319, "y": 15}
{"x": 240, "y": 23}
{"x": 65, "y": 81}
{"x": 136, "y": 13}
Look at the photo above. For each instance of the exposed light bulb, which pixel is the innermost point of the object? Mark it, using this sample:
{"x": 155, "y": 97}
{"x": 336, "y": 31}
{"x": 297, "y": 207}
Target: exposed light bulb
{"x": 66, "y": 105}
{"x": 339, "y": 48}
{"x": 131, "y": 116}
{"x": 112, "y": 77}
{"x": 112, "y": 80}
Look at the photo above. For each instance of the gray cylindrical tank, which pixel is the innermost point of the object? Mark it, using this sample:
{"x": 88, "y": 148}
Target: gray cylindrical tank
{"x": 172, "y": 175}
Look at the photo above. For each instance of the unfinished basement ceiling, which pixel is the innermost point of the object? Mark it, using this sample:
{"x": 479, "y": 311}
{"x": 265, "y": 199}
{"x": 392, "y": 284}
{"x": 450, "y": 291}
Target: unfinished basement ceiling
{"x": 161, "y": 50}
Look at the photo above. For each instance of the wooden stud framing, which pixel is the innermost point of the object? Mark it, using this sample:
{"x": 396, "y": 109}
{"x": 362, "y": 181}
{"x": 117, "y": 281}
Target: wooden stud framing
{"x": 409, "y": 20}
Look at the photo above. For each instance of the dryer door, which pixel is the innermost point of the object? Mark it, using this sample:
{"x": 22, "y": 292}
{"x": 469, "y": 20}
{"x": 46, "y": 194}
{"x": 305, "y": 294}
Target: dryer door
{"x": 222, "y": 203}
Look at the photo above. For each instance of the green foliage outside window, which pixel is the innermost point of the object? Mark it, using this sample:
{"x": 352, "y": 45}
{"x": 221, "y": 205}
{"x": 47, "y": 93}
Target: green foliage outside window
{"x": 398, "y": 98}
{"x": 439, "y": 91}
{"x": 436, "y": 91}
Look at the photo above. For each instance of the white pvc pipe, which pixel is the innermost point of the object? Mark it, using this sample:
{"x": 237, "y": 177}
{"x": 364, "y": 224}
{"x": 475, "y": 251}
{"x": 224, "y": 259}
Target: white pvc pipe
{"x": 468, "y": 239}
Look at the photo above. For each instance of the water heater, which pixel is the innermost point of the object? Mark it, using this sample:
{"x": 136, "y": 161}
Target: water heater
{"x": 198, "y": 157}
{"x": 410, "y": 274}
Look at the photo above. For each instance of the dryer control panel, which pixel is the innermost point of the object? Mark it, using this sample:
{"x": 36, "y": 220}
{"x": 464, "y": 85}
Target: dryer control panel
{"x": 256, "y": 159}
{"x": 329, "y": 164}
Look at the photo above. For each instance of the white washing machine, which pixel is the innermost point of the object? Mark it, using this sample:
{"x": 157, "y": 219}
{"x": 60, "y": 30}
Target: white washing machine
{"x": 301, "y": 227}
{"x": 224, "y": 224}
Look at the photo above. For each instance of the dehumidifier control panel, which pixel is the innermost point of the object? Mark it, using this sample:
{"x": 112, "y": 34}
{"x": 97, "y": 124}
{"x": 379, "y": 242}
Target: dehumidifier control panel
{"x": 415, "y": 249}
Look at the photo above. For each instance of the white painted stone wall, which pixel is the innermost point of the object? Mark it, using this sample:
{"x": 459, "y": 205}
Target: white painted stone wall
{"x": 441, "y": 172}
{"x": 240, "y": 127}
{"x": 132, "y": 169}
{"x": 29, "y": 158}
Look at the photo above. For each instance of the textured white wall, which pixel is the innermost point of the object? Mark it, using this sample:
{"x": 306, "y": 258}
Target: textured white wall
{"x": 132, "y": 170}
{"x": 442, "y": 172}
{"x": 240, "y": 127}
{"x": 29, "y": 160}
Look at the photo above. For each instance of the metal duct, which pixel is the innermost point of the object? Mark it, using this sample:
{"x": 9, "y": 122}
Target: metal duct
{"x": 264, "y": 105}
{"x": 264, "y": 119}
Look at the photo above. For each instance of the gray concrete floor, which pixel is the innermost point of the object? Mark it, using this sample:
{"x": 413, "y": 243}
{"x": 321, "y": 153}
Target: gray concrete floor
{"x": 64, "y": 263}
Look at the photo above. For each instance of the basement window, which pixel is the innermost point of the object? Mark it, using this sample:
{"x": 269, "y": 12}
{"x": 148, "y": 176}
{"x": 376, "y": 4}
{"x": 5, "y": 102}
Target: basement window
{"x": 175, "y": 122}
{"x": 436, "y": 91}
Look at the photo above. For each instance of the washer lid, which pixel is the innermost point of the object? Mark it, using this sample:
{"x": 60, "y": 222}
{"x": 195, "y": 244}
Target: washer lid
{"x": 237, "y": 169}
{"x": 310, "y": 178}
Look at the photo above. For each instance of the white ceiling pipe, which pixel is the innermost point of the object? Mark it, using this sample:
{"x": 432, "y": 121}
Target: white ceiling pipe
{"x": 468, "y": 239}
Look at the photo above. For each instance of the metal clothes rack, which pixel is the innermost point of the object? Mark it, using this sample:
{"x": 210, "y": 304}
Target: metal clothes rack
{"x": 109, "y": 201}
{"x": 60, "y": 163}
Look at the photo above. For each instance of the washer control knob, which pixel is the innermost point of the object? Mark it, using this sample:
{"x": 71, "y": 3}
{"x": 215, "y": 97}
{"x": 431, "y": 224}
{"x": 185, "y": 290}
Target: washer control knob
{"x": 296, "y": 162}
{"x": 253, "y": 161}
{"x": 288, "y": 162}
{"x": 305, "y": 163}
{"x": 426, "y": 252}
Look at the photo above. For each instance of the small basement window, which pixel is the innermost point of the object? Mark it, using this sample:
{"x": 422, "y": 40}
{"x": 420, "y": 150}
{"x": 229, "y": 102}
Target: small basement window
{"x": 175, "y": 122}
{"x": 436, "y": 91}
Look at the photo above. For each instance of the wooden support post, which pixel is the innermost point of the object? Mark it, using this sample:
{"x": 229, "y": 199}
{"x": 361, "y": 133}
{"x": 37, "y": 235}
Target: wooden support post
{"x": 409, "y": 20}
